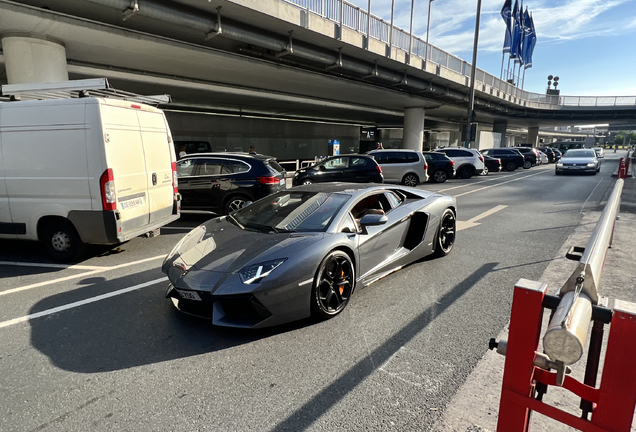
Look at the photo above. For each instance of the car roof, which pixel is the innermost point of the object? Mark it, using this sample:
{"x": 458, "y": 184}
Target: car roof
{"x": 235, "y": 155}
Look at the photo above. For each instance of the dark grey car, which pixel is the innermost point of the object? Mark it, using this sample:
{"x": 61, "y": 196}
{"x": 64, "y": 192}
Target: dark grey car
{"x": 303, "y": 251}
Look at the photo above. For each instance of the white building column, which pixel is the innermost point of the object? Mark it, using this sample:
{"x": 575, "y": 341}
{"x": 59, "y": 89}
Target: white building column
{"x": 32, "y": 59}
{"x": 500, "y": 127}
{"x": 413, "y": 128}
{"x": 533, "y": 136}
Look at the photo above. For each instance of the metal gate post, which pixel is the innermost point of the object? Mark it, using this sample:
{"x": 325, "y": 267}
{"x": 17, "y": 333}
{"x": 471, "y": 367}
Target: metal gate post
{"x": 523, "y": 340}
{"x": 617, "y": 399}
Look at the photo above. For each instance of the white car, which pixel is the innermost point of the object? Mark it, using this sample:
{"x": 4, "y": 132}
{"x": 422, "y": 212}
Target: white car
{"x": 468, "y": 162}
{"x": 600, "y": 152}
{"x": 407, "y": 167}
{"x": 544, "y": 157}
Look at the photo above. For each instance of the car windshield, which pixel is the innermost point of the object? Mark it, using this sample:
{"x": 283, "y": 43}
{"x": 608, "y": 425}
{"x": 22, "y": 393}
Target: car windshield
{"x": 580, "y": 153}
{"x": 291, "y": 211}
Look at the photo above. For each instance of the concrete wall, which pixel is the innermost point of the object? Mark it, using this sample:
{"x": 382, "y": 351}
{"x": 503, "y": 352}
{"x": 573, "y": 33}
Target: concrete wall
{"x": 284, "y": 140}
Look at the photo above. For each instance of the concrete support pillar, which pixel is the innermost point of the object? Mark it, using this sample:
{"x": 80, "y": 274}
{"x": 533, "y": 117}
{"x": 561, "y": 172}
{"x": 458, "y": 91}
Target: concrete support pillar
{"x": 501, "y": 127}
{"x": 533, "y": 136}
{"x": 455, "y": 138}
{"x": 413, "y": 128}
{"x": 32, "y": 59}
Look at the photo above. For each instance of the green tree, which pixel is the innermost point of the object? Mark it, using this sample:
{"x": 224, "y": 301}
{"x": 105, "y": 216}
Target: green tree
{"x": 618, "y": 139}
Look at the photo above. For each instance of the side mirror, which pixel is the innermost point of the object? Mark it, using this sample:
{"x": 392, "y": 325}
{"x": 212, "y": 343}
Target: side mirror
{"x": 373, "y": 220}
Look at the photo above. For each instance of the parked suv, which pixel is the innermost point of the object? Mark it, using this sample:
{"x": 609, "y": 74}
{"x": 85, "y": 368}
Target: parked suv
{"x": 348, "y": 168}
{"x": 407, "y": 167}
{"x": 549, "y": 153}
{"x": 530, "y": 155}
{"x": 440, "y": 166}
{"x": 511, "y": 159}
{"x": 468, "y": 162}
{"x": 224, "y": 182}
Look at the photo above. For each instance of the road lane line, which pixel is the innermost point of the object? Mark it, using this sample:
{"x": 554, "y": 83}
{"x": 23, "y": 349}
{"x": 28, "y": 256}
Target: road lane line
{"x": 77, "y": 276}
{"x": 461, "y": 225}
{"x": 499, "y": 184}
{"x": 80, "y": 303}
{"x": 49, "y": 265}
{"x": 588, "y": 198}
{"x": 484, "y": 181}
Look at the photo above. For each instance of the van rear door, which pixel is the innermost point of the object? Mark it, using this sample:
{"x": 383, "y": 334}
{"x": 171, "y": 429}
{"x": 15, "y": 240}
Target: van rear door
{"x": 159, "y": 156}
{"x": 125, "y": 156}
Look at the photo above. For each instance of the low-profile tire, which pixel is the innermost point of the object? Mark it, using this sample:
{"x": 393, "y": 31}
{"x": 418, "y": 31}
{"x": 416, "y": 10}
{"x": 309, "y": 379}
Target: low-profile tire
{"x": 485, "y": 171}
{"x": 439, "y": 176}
{"x": 235, "y": 202}
{"x": 466, "y": 172}
{"x": 527, "y": 165}
{"x": 511, "y": 166}
{"x": 307, "y": 181}
{"x": 62, "y": 242}
{"x": 411, "y": 180}
{"x": 446, "y": 234}
{"x": 333, "y": 285}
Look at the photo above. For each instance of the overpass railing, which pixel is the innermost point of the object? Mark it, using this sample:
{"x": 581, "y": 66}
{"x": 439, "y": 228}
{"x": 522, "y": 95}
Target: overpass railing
{"x": 355, "y": 18}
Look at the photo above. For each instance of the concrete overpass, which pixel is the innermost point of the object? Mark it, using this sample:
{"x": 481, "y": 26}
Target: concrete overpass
{"x": 253, "y": 60}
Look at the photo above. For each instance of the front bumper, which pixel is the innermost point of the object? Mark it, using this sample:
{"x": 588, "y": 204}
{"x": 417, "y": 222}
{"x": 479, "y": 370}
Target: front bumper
{"x": 575, "y": 169}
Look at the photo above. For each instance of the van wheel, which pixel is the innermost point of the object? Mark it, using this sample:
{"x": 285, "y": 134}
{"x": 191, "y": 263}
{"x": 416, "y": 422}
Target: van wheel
{"x": 235, "y": 202}
{"x": 62, "y": 241}
{"x": 411, "y": 180}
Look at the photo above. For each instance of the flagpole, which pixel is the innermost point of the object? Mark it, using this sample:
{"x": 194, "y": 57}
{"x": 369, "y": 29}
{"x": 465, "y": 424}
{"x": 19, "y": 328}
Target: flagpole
{"x": 503, "y": 56}
{"x": 508, "y": 70}
{"x": 524, "y": 79}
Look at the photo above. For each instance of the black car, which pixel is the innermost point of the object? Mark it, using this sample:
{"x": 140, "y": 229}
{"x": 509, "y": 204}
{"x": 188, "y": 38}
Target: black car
{"x": 549, "y": 153}
{"x": 440, "y": 166}
{"x": 224, "y": 182}
{"x": 557, "y": 154}
{"x": 529, "y": 154}
{"x": 492, "y": 165}
{"x": 349, "y": 168}
{"x": 511, "y": 159}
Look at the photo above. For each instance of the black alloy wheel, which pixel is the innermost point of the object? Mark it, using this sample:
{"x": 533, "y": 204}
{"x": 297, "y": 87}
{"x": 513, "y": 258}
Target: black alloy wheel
{"x": 440, "y": 176}
{"x": 235, "y": 202}
{"x": 466, "y": 172}
{"x": 333, "y": 284}
{"x": 62, "y": 241}
{"x": 511, "y": 166}
{"x": 411, "y": 180}
{"x": 446, "y": 234}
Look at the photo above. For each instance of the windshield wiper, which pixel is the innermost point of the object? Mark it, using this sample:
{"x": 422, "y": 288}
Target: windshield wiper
{"x": 235, "y": 221}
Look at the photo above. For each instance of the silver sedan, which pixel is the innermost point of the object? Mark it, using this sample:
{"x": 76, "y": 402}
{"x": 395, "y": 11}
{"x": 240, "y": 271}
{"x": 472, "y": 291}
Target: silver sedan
{"x": 578, "y": 161}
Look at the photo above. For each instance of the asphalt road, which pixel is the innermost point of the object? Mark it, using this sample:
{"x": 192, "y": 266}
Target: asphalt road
{"x": 97, "y": 346}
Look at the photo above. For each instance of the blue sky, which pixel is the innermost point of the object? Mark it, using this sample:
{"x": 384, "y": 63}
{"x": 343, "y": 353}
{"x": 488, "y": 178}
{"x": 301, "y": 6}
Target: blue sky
{"x": 589, "y": 44}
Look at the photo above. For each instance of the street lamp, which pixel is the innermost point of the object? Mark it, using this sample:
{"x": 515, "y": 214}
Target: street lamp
{"x": 470, "y": 118}
{"x": 428, "y": 27}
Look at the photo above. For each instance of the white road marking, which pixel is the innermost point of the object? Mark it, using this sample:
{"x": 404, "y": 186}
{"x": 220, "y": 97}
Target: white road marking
{"x": 499, "y": 184}
{"x": 588, "y": 198}
{"x": 77, "y": 276}
{"x": 48, "y": 265}
{"x": 79, "y": 303}
{"x": 306, "y": 282}
{"x": 461, "y": 225}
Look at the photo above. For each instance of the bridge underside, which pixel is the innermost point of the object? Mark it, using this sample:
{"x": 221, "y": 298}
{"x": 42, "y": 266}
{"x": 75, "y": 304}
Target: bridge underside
{"x": 222, "y": 75}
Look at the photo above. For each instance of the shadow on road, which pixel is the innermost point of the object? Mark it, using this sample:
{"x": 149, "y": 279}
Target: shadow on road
{"x": 133, "y": 329}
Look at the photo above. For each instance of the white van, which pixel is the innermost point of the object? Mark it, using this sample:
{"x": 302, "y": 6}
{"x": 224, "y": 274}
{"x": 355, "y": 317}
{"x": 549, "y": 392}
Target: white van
{"x": 84, "y": 170}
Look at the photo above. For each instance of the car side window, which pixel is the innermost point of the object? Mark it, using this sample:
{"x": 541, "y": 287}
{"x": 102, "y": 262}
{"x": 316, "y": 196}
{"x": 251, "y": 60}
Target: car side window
{"x": 380, "y": 157}
{"x": 358, "y": 162}
{"x": 429, "y": 157}
{"x": 372, "y": 204}
{"x": 185, "y": 168}
{"x": 411, "y": 157}
{"x": 336, "y": 163}
{"x": 454, "y": 153}
{"x": 489, "y": 152}
{"x": 393, "y": 158}
{"x": 394, "y": 199}
{"x": 238, "y": 167}
{"x": 210, "y": 167}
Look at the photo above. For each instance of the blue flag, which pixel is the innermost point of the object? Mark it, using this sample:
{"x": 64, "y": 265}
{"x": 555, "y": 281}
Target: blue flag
{"x": 506, "y": 14}
{"x": 528, "y": 46}
{"x": 515, "y": 51}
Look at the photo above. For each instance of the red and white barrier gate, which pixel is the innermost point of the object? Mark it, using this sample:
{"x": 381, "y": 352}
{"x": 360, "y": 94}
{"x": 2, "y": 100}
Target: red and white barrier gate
{"x": 612, "y": 404}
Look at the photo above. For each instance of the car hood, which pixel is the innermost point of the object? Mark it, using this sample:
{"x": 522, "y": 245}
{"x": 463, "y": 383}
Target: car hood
{"x": 220, "y": 246}
{"x": 577, "y": 160}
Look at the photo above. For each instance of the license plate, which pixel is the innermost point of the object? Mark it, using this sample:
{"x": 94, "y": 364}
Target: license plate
{"x": 135, "y": 202}
{"x": 190, "y": 295}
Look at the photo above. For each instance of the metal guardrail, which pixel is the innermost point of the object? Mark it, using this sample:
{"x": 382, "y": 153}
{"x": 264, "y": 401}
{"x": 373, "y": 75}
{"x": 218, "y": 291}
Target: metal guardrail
{"x": 353, "y": 17}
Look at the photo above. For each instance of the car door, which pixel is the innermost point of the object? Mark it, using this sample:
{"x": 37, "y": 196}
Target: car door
{"x": 205, "y": 187}
{"x": 185, "y": 174}
{"x": 334, "y": 170}
{"x": 382, "y": 241}
{"x": 361, "y": 169}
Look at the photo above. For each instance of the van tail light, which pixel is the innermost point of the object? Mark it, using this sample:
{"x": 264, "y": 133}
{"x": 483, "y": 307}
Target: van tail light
{"x": 175, "y": 181}
{"x": 379, "y": 168}
{"x": 107, "y": 187}
{"x": 268, "y": 180}
{"x": 425, "y": 166}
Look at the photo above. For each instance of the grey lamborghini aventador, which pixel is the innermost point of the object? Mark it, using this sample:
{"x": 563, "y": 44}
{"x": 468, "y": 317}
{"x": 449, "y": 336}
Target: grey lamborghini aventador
{"x": 304, "y": 250}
